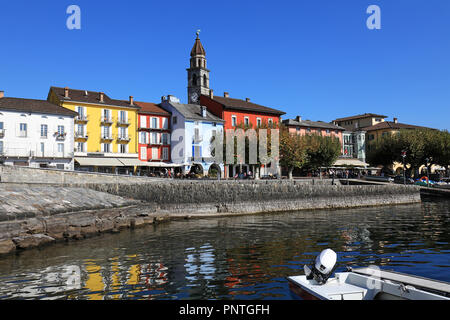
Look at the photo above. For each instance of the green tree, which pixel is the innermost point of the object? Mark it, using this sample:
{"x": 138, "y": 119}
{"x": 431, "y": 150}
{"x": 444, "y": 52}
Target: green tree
{"x": 292, "y": 151}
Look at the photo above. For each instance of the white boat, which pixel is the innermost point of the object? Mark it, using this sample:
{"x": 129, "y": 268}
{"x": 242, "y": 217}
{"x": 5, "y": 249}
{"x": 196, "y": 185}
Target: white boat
{"x": 369, "y": 283}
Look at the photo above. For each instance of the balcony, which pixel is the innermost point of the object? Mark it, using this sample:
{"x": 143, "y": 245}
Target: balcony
{"x": 107, "y": 137}
{"x": 123, "y": 138}
{"x": 81, "y": 135}
{"x": 81, "y": 118}
{"x": 60, "y": 136}
{"x": 106, "y": 120}
{"x": 197, "y": 139}
{"x": 123, "y": 122}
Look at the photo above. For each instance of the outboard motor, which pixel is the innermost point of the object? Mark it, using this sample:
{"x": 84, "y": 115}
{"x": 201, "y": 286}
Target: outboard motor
{"x": 323, "y": 267}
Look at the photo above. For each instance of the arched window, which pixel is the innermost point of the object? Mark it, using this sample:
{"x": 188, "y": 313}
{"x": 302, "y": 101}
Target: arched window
{"x": 198, "y": 63}
{"x": 194, "y": 80}
{"x": 205, "y": 81}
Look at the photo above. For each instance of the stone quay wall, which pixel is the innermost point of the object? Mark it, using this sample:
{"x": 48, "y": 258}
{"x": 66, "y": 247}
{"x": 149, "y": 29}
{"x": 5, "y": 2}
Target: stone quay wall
{"x": 33, "y": 215}
{"x": 15, "y": 174}
{"x": 236, "y": 197}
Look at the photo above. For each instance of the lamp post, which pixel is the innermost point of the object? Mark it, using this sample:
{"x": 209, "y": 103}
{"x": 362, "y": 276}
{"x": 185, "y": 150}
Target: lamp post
{"x": 428, "y": 176}
{"x": 404, "y": 166}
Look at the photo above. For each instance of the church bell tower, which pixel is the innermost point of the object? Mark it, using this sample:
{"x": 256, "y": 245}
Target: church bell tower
{"x": 198, "y": 75}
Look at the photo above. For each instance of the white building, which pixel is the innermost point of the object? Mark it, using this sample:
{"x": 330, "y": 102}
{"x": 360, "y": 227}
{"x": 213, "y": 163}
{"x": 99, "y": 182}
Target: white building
{"x": 36, "y": 133}
{"x": 193, "y": 127}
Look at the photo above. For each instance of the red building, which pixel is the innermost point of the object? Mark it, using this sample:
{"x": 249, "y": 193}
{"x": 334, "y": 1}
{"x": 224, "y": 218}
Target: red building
{"x": 154, "y": 133}
{"x": 236, "y": 111}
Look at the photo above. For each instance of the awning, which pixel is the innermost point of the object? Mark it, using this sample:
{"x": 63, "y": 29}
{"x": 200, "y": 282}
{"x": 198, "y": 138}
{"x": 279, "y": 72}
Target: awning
{"x": 350, "y": 162}
{"x": 132, "y": 162}
{"x": 99, "y": 162}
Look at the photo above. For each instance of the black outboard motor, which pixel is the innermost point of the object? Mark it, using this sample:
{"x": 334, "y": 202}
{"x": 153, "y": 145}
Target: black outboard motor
{"x": 323, "y": 267}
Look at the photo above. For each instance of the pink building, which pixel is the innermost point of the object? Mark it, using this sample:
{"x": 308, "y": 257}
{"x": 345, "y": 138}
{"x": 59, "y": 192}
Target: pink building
{"x": 302, "y": 127}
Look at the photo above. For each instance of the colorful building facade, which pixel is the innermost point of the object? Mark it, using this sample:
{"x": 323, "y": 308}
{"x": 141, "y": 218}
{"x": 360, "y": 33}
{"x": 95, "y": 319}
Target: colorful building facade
{"x": 105, "y": 130}
{"x": 36, "y": 133}
{"x": 193, "y": 128}
{"x": 154, "y": 133}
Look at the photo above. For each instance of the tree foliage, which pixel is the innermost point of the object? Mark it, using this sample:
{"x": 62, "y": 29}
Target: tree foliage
{"x": 422, "y": 147}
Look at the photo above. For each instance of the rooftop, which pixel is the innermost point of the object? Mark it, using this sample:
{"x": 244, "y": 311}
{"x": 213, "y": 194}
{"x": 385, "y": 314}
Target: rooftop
{"x": 34, "y": 106}
{"x": 194, "y": 112}
{"x": 91, "y": 97}
{"x": 392, "y": 125}
{"x": 311, "y": 124}
{"x": 151, "y": 108}
{"x": 237, "y": 104}
{"x": 362, "y": 116}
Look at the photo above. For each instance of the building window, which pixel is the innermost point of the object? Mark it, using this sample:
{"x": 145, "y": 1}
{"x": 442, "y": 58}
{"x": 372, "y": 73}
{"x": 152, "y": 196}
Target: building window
{"x": 143, "y": 137}
{"x": 174, "y": 120}
{"x": 165, "y": 123}
{"x": 233, "y": 121}
{"x": 123, "y": 134}
{"x": 106, "y": 115}
{"x": 106, "y": 132}
{"x": 327, "y": 131}
{"x": 123, "y": 148}
{"x": 61, "y": 147}
{"x": 143, "y": 121}
{"x": 165, "y": 153}
{"x": 197, "y": 152}
{"x": 80, "y": 147}
{"x": 23, "y": 130}
{"x": 154, "y": 138}
{"x": 44, "y": 130}
{"x": 1, "y": 147}
{"x": 205, "y": 81}
{"x": 308, "y": 130}
{"x": 258, "y": 122}
{"x": 60, "y": 130}
{"x": 246, "y": 121}
{"x": 165, "y": 139}
{"x": 106, "y": 147}
{"x": 143, "y": 153}
{"x": 154, "y": 123}
{"x": 270, "y": 121}
{"x": 123, "y": 116}
{"x": 155, "y": 153}
{"x": 42, "y": 148}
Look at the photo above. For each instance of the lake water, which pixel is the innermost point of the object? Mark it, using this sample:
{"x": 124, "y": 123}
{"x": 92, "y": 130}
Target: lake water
{"x": 245, "y": 257}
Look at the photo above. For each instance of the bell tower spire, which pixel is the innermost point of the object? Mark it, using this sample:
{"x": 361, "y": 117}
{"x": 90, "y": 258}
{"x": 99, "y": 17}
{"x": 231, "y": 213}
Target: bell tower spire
{"x": 198, "y": 75}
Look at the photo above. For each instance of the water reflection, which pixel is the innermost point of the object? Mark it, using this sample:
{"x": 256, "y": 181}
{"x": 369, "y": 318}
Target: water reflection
{"x": 231, "y": 258}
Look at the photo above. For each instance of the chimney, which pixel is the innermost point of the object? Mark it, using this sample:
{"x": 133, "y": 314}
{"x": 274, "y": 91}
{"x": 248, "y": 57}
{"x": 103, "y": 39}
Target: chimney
{"x": 131, "y": 101}
{"x": 226, "y": 94}
{"x": 66, "y": 92}
{"x": 102, "y": 97}
{"x": 211, "y": 93}
{"x": 247, "y": 99}
{"x": 298, "y": 118}
{"x": 163, "y": 98}
{"x": 2, "y": 94}
{"x": 203, "y": 112}
{"x": 395, "y": 120}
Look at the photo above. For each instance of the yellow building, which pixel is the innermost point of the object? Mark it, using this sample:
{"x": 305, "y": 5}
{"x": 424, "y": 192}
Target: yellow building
{"x": 105, "y": 130}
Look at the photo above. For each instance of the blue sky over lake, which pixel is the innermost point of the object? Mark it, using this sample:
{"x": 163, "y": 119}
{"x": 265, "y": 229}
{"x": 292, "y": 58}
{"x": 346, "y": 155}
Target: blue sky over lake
{"x": 311, "y": 58}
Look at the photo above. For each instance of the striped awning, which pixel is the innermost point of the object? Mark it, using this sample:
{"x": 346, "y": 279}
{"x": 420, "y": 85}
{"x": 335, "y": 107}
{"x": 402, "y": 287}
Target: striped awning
{"x": 98, "y": 162}
{"x": 132, "y": 162}
{"x": 350, "y": 162}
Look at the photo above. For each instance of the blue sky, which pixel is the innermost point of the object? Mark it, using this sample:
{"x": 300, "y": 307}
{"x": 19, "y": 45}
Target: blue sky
{"x": 314, "y": 58}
